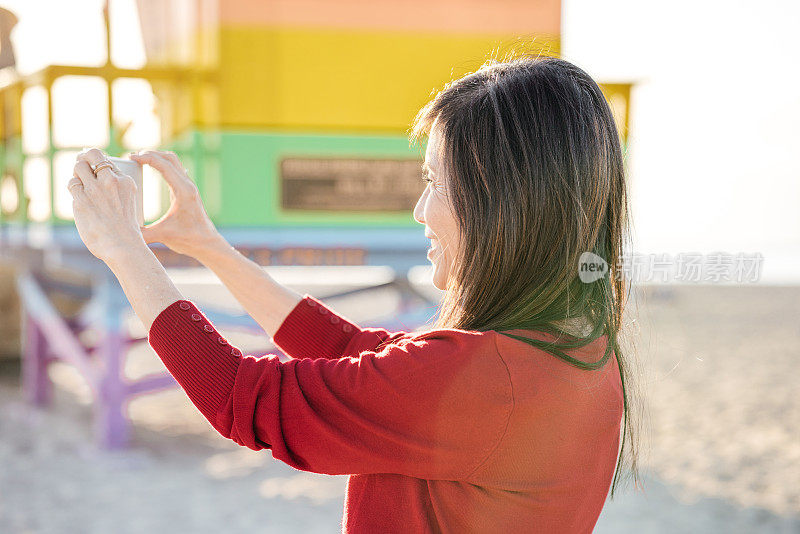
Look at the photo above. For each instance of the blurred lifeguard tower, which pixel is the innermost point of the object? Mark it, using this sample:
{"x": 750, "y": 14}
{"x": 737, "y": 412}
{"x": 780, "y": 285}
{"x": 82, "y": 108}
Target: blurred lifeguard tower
{"x": 290, "y": 115}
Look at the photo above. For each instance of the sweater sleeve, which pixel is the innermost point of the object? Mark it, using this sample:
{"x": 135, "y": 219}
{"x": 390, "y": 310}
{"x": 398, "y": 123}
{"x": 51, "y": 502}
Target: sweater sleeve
{"x": 313, "y": 330}
{"x": 432, "y": 406}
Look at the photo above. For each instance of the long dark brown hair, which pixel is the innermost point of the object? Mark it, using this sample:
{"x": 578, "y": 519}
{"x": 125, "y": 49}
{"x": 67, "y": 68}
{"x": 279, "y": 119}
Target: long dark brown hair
{"x": 535, "y": 175}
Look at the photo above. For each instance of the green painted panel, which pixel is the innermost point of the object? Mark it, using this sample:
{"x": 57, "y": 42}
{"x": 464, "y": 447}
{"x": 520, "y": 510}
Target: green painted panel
{"x": 248, "y": 191}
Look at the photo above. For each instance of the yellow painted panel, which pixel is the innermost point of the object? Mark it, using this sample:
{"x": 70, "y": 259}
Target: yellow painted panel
{"x": 303, "y": 78}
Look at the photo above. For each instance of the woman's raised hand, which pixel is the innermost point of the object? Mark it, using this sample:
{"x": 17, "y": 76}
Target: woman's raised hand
{"x": 186, "y": 227}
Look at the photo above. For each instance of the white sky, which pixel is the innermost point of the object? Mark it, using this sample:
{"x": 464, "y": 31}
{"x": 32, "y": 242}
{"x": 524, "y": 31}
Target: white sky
{"x": 715, "y": 147}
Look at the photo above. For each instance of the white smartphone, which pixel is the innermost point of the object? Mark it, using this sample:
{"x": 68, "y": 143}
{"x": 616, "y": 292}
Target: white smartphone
{"x": 134, "y": 170}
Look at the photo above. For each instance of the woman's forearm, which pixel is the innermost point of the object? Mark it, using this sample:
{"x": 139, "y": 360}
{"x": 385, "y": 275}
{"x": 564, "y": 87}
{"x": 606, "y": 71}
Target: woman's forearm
{"x": 264, "y": 299}
{"x": 144, "y": 281}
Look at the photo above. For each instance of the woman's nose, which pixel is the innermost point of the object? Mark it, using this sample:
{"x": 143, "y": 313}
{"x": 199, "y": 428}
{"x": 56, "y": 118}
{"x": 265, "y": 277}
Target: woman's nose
{"x": 418, "y": 209}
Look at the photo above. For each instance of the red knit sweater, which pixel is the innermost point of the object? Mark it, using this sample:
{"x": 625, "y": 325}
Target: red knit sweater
{"x": 443, "y": 431}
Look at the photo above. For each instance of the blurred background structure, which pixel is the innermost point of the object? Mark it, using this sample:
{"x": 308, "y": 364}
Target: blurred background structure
{"x": 292, "y": 118}
{"x": 296, "y": 118}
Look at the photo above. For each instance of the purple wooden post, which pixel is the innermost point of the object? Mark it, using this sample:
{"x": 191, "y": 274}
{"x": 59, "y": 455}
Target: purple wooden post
{"x": 111, "y": 423}
{"x": 36, "y": 384}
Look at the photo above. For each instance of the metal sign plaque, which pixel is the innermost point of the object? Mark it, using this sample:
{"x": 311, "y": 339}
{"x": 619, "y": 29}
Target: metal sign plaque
{"x": 338, "y": 184}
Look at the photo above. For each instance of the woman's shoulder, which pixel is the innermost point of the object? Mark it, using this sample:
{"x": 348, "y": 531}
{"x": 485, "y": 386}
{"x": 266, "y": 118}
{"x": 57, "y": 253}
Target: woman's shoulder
{"x": 452, "y": 348}
{"x": 450, "y": 333}
{"x": 468, "y": 342}
{"x": 502, "y": 356}
{"x": 506, "y": 344}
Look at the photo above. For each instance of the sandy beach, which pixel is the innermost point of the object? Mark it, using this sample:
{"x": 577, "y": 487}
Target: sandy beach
{"x": 722, "y": 437}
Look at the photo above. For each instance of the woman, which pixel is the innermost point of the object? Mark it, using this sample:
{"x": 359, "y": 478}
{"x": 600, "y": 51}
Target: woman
{"x": 503, "y": 418}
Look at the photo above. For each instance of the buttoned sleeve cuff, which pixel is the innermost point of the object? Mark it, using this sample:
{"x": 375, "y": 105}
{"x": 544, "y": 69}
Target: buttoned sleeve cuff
{"x": 312, "y": 330}
{"x": 200, "y": 359}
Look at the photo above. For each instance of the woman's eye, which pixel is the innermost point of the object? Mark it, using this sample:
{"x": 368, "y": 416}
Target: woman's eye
{"x": 433, "y": 183}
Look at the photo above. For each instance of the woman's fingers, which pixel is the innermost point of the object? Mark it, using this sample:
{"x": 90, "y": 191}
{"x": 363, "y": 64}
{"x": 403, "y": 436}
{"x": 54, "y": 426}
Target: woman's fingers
{"x": 75, "y": 187}
{"x": 173, "y": 157}
{"x": 167, "y": 155}
{"x": 93, "y": 156}
{"x": 82, "y": 165}
{"x": 167, "y": 163}
{"x": 173, "y": 174}
{"x": 90, "y": 159}
{"x": 83, "y": 171}
{"x": 156, "y": 161}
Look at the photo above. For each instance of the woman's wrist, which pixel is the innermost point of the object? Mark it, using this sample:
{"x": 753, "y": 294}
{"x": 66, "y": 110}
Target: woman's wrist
{"x": 211, "y": 248}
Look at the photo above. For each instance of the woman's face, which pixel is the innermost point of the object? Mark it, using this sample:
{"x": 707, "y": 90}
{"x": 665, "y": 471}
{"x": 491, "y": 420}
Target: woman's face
{"x": 433, "y": 209}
